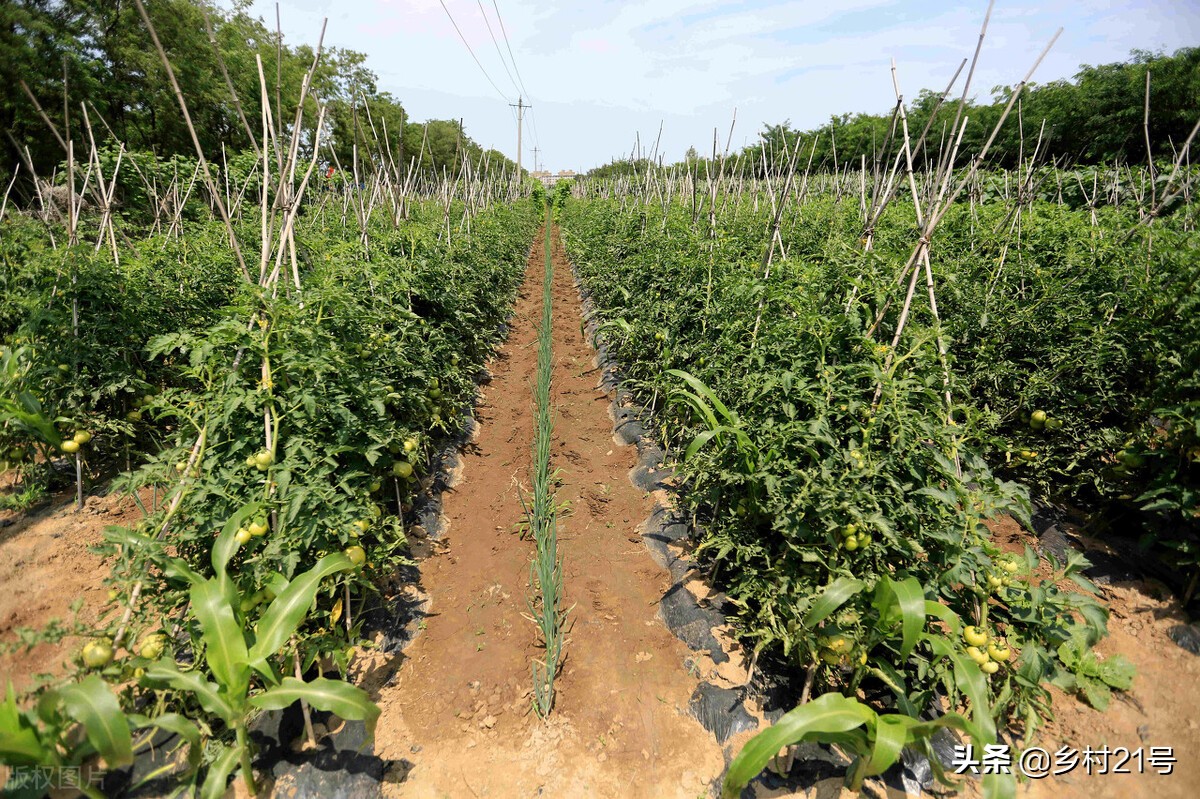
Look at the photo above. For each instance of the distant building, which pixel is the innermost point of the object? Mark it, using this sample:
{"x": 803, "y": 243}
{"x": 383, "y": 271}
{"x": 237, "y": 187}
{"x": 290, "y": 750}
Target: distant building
{"x": 549, "y": 178}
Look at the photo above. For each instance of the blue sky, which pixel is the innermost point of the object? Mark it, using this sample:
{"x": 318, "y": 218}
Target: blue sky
{"x": 599, "y": 74}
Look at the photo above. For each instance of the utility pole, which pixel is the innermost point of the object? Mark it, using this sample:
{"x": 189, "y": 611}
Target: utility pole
{"x": 535, "y": 159}
{"x": 520, "y": 106}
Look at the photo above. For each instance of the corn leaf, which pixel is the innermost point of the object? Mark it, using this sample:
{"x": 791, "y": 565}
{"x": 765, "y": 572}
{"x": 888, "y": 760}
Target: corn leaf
{"x": 93, "y": 705}
{"x": 834, "y": 596}
{"x": 289, "y": 608}
{"x": 340, "y": 698}
{"x": 224, "y": 639}
{"x": 828, "y": 714}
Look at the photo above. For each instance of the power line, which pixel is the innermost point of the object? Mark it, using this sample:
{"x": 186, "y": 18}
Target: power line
{"x": 497, "y": 45}
{"x": 472, "y": 52}
{"x": 509, "y": 47}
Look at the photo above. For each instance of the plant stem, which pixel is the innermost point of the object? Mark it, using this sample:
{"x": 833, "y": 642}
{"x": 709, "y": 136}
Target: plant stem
{"x": 247, "y": 770}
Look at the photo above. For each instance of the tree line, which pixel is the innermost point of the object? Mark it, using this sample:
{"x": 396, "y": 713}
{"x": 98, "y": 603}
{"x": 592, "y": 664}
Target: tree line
{"x": 68, "y": 56}
{"x": 1095, "y": 117}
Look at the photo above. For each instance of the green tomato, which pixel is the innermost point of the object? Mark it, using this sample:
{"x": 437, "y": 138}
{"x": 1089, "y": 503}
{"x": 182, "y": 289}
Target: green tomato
{"x": 263, "y": 460}
{"x": 402, "y": 469}
{"x": 357, "y": 555}
{"x": 840, "y": 644}
{"x": 242, "y": 536}
{"x": 152, "y": 646}
{"x": 97, "y": 654}
{"x": 1131, "y": 460}
{"x": 975, "y": 636}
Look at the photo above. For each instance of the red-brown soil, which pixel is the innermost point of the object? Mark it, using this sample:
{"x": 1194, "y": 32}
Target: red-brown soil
{"x": 460, "y": 708}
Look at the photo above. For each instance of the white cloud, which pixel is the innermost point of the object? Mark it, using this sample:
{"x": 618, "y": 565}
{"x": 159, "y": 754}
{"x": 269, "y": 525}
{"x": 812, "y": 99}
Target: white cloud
{"x": 601, "y": 71}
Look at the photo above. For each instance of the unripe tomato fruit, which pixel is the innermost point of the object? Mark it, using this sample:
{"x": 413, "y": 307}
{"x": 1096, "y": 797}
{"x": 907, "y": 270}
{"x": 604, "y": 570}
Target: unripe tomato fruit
{"x": 152, "y": 646}
{"x": 356, "y": 554}
{"x": 402, "y": 469}
{"x": 263, "y": 460}
{"x": 991, "y": 667}
{"x": 70, "y": 446}
{"x": 840, "y": 644}
{"x": 82, "y": 437}
{"x": 974, "y": 636}
{"x": 242, "y": 536}
{"x": 97, "y": 654}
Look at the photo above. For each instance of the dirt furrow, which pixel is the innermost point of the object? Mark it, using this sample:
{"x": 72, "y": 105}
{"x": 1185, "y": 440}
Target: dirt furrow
{"x": 458, "y": 708}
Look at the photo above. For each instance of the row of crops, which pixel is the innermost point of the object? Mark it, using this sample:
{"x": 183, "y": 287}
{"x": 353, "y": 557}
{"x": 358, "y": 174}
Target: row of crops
{"x": 273, "y": 431}
{"x": 843, "y": 445}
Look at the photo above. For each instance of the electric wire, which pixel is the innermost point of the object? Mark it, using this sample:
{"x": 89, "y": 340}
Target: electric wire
{"x": 472, "y": 52}
{"x": 503, "y": 63}
{"x": 508, "y": 46}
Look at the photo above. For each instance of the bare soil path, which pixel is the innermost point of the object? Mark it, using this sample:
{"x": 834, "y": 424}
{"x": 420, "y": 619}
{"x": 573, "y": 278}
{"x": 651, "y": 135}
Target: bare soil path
{"x": 458, "y": 708}
{"x": 45, "y": 567}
